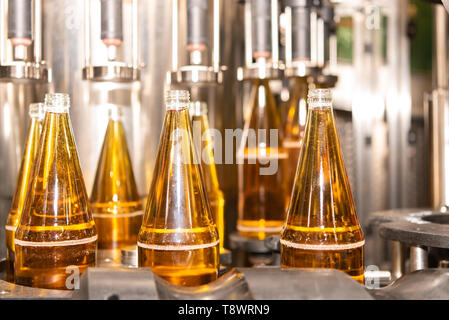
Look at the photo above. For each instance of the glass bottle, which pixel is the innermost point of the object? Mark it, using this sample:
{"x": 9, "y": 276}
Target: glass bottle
{"x": 294, "y": 126}
{"x": 56, "y": 239}
{"x": 36, "y": 113}
{"x": 178, "y": 238}
{"x": 263, "y": 191}
{"x": 115, "y": 203}
{"x": 205, "y": 151}
{"x": 322, "y": 229}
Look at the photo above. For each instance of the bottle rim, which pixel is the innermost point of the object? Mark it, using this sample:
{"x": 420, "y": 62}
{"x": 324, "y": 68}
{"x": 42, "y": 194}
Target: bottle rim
{"x": 198, "y": 108}
{"x": 177, "y": 99}
{"x": 320, "y": 97}
{"x": 57, "y": 102}
{"x": 36, "y": 111}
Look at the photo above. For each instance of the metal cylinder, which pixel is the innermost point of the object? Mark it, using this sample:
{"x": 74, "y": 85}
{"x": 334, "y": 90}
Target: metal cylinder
{"x": 19, "y": 19}
{"x": 197, "y": 25}
{"x": 111, "y": 19}
{"x": 418, "y": 258}
{"x": 327, "y": 14}
{"x": 261, "y": 28}
{"x": 300, "y": 28}
{"x": 439, "y": 111}
{"x": 397, "y": 259}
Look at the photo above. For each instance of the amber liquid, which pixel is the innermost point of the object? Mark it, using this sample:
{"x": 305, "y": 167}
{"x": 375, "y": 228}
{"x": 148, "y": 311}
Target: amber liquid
{"x": 214, "y": 194}
{"x": 178, "y": 238}
{"x": 294, "y": 127}
{"x": 322, "y": 229}
{"x": 263, "y": 202}
{"x": 263, "y": 198}
{"x": 18, "y": 201}
{"x": 51, "y": 267}
{"x": 187, "y": 266}
{"x": 115, "y": 202}
{"x": 56, "y": 232}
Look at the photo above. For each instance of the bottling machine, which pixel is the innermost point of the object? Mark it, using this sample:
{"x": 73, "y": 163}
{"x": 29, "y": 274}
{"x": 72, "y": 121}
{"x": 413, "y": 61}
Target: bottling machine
{"x": 244, "y": 64}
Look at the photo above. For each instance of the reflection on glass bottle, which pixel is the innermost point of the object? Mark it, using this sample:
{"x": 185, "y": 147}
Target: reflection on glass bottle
{"x": 115, "y": 202}
{"x": 37, "y": 115}
{"x": 263, "y": 194}
{"x": 205, "y": 151}
{"x": 322, "y": 229}
{"x": 294, "y": 126}
{"x": 178, "y": 238}
{"x": 56, "y": 238}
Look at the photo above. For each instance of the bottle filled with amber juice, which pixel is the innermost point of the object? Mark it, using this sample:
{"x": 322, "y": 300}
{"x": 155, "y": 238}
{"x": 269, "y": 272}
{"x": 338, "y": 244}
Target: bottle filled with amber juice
{"x": 322, "y": 228}
{"x": 205, "y": 150}
{"x": 115, "y": 203}
{"x": 36, "y": 113}
{"x": 263, "y": 186}
{"x": 178, "y": 239}
{"x": 294, "y": 126}
{"x": 56, "y": 238}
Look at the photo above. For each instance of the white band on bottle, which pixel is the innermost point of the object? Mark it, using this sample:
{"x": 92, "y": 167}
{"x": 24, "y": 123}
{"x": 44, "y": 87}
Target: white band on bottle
{"x": 177, "y": 248}
{"x": 10, "y": 228}
{"x": 323, "y": 247}
{"x": 258, "y": 229}
{"x": 55, "y": 243}
{"x": 292, "y": 144}
{"x": 118, "y": 215}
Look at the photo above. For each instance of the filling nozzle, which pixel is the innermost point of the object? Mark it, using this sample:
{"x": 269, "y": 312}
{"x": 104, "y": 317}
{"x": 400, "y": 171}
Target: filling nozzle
{"x": 300, "y": 29}
{"x": 112, "y": 26}
{"x": 19, "y": 27}
{"x": 261, "y": 29}
{"x": 197, "y": 25}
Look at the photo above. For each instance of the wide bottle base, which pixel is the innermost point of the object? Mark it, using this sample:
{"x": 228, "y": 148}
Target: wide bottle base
{"x": 186, "y": 268}
{"x": 53, "y": 267}
{"x": 349, "y": 261}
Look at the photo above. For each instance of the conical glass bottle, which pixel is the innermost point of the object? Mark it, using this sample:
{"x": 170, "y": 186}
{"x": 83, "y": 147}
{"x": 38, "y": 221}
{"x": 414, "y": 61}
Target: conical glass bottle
{"x": 115, "y": 202}
{"x": 178, "y": 238}
{"x": 322, "y": 229}
{"x": 37, "y": 115}
{"x": 56, "y": 238}
{"x": 205, "y": 151}
{"x": 263, "y": 191}
{"x": 294, "y": 126}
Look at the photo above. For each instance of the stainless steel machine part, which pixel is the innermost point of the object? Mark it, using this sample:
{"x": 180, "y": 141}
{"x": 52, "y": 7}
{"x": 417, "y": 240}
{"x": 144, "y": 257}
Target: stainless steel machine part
{"x": 429, "y": 284}
{"x": 418, "y": 258}
{"x": 397, "y": 259}
{"x": 254, "y": 283}
{"x": 440, "y": 110}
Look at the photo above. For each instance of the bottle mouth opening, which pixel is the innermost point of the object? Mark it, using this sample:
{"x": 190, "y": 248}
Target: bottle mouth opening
{"x": 177, "y": 99}
{"x": 57, "y": 102}
{"x": 177, "y": 95}
{"x": 37, "y": 111}
{"x": 320, "y": 97}
{"x": 198, "y": 108}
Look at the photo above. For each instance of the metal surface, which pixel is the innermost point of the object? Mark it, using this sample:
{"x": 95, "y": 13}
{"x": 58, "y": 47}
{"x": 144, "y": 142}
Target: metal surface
{"x": 429, "y": 284}
{"x": 196, "y": 75}
{"x": 13, "y": 291}
{"x": 111, "y": 72}
{"x": 260, "y": 72}
{"x": 416, "y": 228}
{"x": 247, "y": 244}
{"x": 117, "y": 284}
{"x": 242, "y": 283}
{"x": 418, "y": 258}
{"x": 397, "y": 259}
{"x": 21, "y": 71}
{"x": 440, "y": 111}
